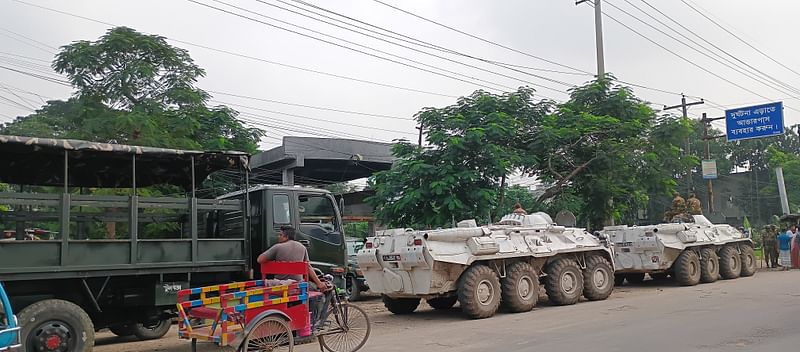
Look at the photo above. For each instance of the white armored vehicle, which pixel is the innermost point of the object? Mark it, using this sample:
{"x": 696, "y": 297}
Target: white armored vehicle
{"x": 692, "y": 252}
{"x": 482, "y": 266}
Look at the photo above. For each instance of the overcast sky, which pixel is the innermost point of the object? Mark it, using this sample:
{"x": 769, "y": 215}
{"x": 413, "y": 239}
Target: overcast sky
{"x": 556, "y": 30}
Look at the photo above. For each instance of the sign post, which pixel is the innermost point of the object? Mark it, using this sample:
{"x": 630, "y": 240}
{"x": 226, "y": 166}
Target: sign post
{"x": 754, "y": 121}
{"x": 709, "y": 169}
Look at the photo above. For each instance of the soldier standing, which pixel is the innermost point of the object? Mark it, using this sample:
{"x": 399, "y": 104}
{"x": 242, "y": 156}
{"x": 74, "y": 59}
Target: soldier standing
{"x": 678, "y": 207}
{"x": 770, "y": 243}
{"x": 694, "y": 205}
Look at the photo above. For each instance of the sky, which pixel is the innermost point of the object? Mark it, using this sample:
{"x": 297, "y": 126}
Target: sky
{"x": 273, "y": 66}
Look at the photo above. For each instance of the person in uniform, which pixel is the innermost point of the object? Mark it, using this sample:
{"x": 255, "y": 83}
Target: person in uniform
{"x": 678, "y": 208}
{"x": 769, "y": 239}
{"x": 694, "y": 205}
{"x": 519, "y": 210}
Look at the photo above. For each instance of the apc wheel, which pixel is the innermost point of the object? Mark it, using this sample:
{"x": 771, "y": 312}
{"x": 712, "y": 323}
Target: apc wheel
{"x": 748, "y": 261}
{"x": 269, "y": 334}
{"x": 564, "y": 282}
{"x": 347, "y": 332}
{"x": 152, "y": 331}
{"x": 479, "y": 292}
{"x": 687, "y": 268}
{"x": 635, "y": 278}
{"x": 709, "y": 265}
{"x": 56, "y": 325}
{"x": 597, "y": 283}
{"x": 730, "y": 263}
{"x": 400, "y": 305}
{"x": 442, "y": 303}
{"x": 619, "y": 279}
{"x": 520, "y": 287}
{"x": 353, "y": 289}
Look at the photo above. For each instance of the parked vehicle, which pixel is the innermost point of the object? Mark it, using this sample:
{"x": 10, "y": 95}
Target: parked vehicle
{"x": 118, "y": 256}
{"x": 481, "y": 267}
{"x": 9, "y": 328}
{"x": 691, "y": 252}
{"x": 356, "y": 283}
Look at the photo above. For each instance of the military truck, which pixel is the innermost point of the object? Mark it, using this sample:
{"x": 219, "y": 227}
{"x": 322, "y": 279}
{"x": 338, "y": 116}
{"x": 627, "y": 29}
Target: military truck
{"x": 692, "y": 252}
{"x": 113, "y": 255}
{"x": 481, "y": 266}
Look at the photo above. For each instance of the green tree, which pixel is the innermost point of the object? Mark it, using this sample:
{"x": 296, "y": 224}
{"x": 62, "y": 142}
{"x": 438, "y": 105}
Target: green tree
{"x": 137, "y": 89}
{"x": 473, "y": 145}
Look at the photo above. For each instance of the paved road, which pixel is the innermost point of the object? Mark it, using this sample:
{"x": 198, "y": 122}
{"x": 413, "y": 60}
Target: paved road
{"x": 761, "y": 313}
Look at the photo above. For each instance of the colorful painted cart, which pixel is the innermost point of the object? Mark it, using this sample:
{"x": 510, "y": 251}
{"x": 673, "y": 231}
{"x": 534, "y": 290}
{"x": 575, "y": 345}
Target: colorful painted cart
{"x": 9, "y": 328}
{"x": 269, "y": 315}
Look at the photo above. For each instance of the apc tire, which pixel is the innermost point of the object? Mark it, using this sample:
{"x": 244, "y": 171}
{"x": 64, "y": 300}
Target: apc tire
{"x": 479, "y": 292}
{"x": 520, "y": 287}
{"x": 122, "y": 330}
{"x": 152, "y": 331}
{"x": 687, "y": 268}
{"x": 442, "y": 303}
{"x": 597, "y": 282}
{"x": 709, "y": 265}
{"x": 400, "y": 306}
{"x": 56, "y": 320}
{"x": 634, "y": 278}
{"x": 730, "y": 263}
{"x": 748, "y": 261}
{"x": 564, "y": 282}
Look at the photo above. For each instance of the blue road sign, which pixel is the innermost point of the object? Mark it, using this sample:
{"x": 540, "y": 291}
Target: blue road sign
{"x": 754, "y": 121}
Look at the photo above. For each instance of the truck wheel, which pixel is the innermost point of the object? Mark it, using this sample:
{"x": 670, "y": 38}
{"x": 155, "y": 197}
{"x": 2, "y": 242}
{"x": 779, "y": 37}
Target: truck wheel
{"x": 619, "y": 279}
{"x": 709, "y": 265}
{"x": 479, "y": 292}
{"x": 748, "y": 261}
{"x": 597, "y": 284}
{"x": 635, "y": 278}
{"x": 520, "y": 287}
{"x": 152, "y": 331}
{"x": 730, "y": 263}
{"x": 56, "y": 325}
{"x": 687, "y": 268}
{"x": 400, "y": 305}
{"x": 353, "y": 289}
{"x": 122, "y": 330}
{"x": 442, "y": 303}
{"x": 564, "y": 282}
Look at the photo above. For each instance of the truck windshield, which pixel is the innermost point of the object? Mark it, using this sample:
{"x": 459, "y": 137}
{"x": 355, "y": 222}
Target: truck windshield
{"x": 318, "y": 218}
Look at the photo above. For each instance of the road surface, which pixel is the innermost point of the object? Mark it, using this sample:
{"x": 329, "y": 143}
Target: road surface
{"x": 761, "y": 313}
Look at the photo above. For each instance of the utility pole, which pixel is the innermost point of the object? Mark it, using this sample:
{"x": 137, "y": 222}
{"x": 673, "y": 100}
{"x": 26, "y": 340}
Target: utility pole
{"x": 598, "y": 36}
{"x": 685, "y": 109}
{"x": 706, "y": 124}
{"x": 419, "y": 142}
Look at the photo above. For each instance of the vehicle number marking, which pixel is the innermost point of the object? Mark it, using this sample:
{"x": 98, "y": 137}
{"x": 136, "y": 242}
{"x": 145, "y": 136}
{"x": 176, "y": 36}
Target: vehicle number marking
{"x": 391, "y": 257}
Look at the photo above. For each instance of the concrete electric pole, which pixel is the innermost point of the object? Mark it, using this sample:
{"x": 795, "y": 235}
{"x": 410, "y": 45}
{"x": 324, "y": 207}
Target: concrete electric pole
{"x": 598, "y": 34}
{"x": 685, "y": 109}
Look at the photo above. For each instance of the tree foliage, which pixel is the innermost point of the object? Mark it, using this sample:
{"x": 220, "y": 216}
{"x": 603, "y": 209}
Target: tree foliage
{"x": 137, "y": 89}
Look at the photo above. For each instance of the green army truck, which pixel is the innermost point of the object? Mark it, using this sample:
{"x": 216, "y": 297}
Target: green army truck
{"x": 104, "y": 236}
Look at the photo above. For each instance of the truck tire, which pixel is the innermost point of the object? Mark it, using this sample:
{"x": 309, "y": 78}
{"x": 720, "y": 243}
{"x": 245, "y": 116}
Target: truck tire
{"x": 152, "y": 331}
{"x": 709, "y": 265}
{"x": 564, "y": 282}
{"x": 634, "y": 278}
{"x": 479, "y": 292}
{"x": 56, "y": 324}
{"x": 730, "y": 263}
{"x": 520, "y": 287}
{"x": 122, "y": 330}
{"x": 687, "y": 268}
{"x": 353, "y": 289}
{"x": 400, "y": 305}
{"x": 597, "y": 278}
{"x": 748, "y": 261}
{"x": 442, "y": 303}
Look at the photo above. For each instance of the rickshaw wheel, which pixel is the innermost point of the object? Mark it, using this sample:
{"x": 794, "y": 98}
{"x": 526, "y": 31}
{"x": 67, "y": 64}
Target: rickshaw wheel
{"x": 270, "y": 334}
{"x": 347, "y": 332}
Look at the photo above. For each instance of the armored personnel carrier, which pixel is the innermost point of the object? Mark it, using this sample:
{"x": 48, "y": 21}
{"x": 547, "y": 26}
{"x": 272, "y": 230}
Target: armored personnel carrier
{"x": 692, "y": 252}
{"x": 482, "y": 266}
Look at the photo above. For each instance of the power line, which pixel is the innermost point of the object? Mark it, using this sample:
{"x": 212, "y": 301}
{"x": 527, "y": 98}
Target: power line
{"x": 24, "y": 42}
{"x": 481, "y": 39}
{"x": 739, "y": 38}
{"x": 251, "y": 57}
{"x": 350, "y": 48}
{"x": 64, "y": 83}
